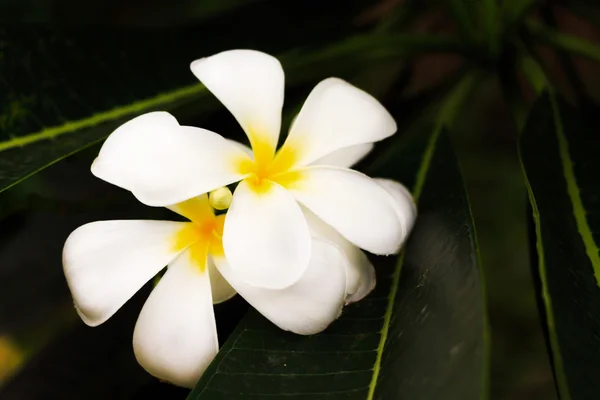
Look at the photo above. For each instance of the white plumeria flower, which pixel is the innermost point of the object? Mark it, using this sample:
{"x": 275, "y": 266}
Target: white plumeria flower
{"x": 267, "y": 239}
{"x": 175, "y": 337}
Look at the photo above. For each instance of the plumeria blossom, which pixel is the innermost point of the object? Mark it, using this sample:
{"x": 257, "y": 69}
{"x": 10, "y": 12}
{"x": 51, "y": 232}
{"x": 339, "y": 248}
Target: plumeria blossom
{"x": 175, "y": 338}
{"x": 290, "y": 242}
{"x": 267, "y": 238}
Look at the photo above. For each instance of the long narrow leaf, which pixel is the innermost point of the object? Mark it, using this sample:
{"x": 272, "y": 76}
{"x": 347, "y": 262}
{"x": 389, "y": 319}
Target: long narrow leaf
{"x": 62, "y": 111}
{"x": 563, "y": 41}
{"x": 514, "y": 12}
{"x": 559, "y": 150}
{"x": 461, "y": 14}
{"x": 491, "y": 24}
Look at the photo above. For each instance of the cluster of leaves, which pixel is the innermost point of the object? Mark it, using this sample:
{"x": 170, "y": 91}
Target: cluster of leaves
{"x": 63, "y": 90}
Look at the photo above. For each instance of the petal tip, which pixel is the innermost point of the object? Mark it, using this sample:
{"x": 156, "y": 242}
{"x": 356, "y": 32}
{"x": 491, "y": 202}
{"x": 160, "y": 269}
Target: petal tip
{"x": 89, "y": 321}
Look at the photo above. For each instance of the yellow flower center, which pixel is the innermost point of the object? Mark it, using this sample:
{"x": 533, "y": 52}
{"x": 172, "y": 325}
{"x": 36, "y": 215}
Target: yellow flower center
{"x": 269, "y": 166}
{"x": 203, "y": 235}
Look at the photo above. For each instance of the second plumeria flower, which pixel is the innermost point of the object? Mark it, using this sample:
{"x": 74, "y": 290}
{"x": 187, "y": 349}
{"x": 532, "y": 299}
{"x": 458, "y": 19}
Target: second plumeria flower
{"x": 175, "y": 336}
{"x": 266, "y": 236}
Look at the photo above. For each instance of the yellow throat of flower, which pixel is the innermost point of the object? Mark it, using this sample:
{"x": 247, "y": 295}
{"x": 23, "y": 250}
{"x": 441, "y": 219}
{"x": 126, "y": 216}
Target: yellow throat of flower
{"x": 270, "y": 166}
{"x": 203, "y": 235}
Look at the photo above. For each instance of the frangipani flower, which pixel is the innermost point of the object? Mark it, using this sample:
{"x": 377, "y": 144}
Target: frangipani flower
{"x": 267, "y": 240}
{"x": 175, "y": 337}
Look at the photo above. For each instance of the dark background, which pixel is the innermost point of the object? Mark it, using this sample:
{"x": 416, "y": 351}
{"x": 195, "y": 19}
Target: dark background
{"x": 47, "y": 352}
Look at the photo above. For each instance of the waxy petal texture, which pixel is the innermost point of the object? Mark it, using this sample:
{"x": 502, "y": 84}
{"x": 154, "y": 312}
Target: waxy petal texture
{"x": 309, "y": 305}
{"x": 266, "y": 238}
{"x": 359, "y": 208}
{"x": 337, "y": 115}
{"x": 403, "y": 203}
{"x": 163, "y": 163}
{"x": 251, "y": 85}
{"x": 360, "y": 274}
{"x": 175, "y": 337}
{"x": 107, "y": 262}
{"x": 346, "y": 157}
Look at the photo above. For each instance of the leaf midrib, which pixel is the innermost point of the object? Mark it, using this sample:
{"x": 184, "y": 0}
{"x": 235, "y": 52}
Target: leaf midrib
{"x": 429, "y": 43}
{"x": 574, "y": 194}
{"x": 420, "y": 181}
{"x": 97, "y": 119}
{"x": 560, "y": 375}
{"x": 539, "y": 81}
{"x": 447, "y": 114}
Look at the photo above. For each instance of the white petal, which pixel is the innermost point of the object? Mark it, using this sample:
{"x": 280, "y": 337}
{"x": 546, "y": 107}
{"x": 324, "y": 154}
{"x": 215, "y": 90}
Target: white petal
{"x": 308, "y": 306}
{"x": 163, "y": 163}
{"x": 114, "y": 161}
{"x": 107, "y": 262}
{"x": 221, "y": 289}
{"x": 346, "y": 157}
{"x": 367, "y": 282}
{"x": 251, "y": 85}
{"x": 403, "y": 203}
{"x": 355, "y": 205}
{"x": 360, "y": 274}
{"x": 337, "y": 115}
{"x": 242, "y": 147}
{"x": 175, "y": 337}
{"x": 266, "y": 239}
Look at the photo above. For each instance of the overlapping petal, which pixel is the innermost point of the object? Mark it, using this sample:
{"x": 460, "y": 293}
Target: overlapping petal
{"x": 309, "y": 305}
{"x": 221, "y": 289}
{"x": 175, "y": 337}
{"x": 163, "y": 163}
{"x": 291, "y": 237}
{"x": 356, "y": 206}
{"x": 346, "y": 157}
{"x": 360, "y": 274}
{"x": 266, "y": 238}
{"x": 107, "y": 262}
{"x": 251, "y": 85}
{"x": 403, "y": 203}
{"x": 337, "y": 115}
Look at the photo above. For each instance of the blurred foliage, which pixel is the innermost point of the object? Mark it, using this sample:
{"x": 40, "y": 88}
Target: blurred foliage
{"x": 406, "y": 52}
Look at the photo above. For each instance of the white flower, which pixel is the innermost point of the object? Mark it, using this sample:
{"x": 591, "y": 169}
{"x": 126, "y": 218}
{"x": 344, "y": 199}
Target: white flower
{"x": 175, "y": 337}
{"x": 267, "y": 239}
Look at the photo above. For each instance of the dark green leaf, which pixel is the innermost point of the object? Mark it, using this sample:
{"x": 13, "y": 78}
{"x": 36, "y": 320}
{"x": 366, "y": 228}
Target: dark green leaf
{"x": 420, "y": 335}
{"x": 61, "y": 92}
{"x": 55, "y": 354}
{"x": 563, "y": 41}
{"x": 559, "y": 151}
{"x": 490, "y": 10}
{"x": 36, "y": 308}
{"x": 514, "y": 12}
{"x": 462, "y": 13}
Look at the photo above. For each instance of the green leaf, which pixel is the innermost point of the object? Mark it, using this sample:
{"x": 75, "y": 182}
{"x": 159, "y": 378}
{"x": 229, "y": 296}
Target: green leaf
{"x": 491, "y": 24}
{"x": 559, "y": 149}
{"x": 61, "y": 92}
{"x": 514, "y": 12}
{"x": 422, "y": 333}
{"x": 35, "y": 303}
{"x": 563, "y": 41}
{"x": 460, "y": 11}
